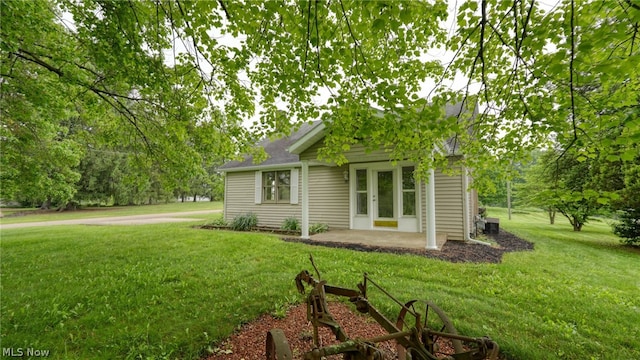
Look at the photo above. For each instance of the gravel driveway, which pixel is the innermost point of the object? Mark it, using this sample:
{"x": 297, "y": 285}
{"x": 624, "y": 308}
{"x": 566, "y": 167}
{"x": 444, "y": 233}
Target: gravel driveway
{"x": 118, "y": 220}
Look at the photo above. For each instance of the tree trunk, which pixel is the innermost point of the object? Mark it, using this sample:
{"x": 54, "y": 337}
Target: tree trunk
{"x": 182, "y": 197}
{"x": 577, "y": 225}
{"x": 552, "y": 216}
{"x": 70, "y": 206}
{"x": 194, "y": 197}
{"x": 46, "y": 205}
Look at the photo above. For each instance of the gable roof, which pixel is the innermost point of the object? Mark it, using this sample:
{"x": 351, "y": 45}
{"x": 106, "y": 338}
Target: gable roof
{"x": 286, "y": 150}
{"x": 317, "y": 133}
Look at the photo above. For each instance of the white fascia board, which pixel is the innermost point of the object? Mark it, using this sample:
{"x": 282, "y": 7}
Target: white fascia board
{"x": 263, "y": 167}
{"x": 321, "y": 163}
{"x": 307, "y": 140}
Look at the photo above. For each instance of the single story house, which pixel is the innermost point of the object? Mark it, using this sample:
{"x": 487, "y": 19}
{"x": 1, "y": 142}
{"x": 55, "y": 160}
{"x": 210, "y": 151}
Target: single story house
{"x": 367, "y": 193}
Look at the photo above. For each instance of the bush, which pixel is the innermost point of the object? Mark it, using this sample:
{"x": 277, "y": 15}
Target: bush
{"x": 629, "y": 227}
{"x": 244, "y": 222}
{"x": 291, "y": 224}
{"x": 318, "y": 228}
{"x": 219, "y": 221}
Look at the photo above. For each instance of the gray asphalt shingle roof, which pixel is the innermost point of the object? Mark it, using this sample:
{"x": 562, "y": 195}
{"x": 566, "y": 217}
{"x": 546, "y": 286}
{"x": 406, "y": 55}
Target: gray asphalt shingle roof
{"x": 276, "y": 150}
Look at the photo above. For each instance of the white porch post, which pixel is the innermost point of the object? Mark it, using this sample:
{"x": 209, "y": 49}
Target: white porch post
{"x": 431, "y": 212}
{"x": 305, "y": 199}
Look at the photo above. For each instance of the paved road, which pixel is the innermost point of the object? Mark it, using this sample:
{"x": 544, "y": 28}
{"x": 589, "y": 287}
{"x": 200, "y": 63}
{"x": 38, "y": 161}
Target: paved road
{"x": 118, "y": 220}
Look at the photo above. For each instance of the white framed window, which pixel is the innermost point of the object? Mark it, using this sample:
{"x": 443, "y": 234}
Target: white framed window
{"x": 408, "y": 191}
{"x": 361, "y": 192}
{"x": 277, "y": 187}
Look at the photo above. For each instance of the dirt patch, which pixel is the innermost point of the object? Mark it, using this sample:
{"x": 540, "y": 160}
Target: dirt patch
{"x": 453, "y": 251}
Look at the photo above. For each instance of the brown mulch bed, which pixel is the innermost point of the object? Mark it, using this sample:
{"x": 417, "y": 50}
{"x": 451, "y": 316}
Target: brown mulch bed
{"x": 257, "y": 229}
{"x": 250, "y": 341}
{"x": 453, "y": 251}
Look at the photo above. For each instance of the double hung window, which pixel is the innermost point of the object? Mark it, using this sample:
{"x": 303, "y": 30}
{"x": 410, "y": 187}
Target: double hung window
{"x": 276, "y": 186}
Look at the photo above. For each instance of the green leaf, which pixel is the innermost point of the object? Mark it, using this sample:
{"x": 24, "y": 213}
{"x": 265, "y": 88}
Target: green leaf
{"x": 379, "y": 24}
{"x": 405, "y": 14}
{"x": 629, "y": 154}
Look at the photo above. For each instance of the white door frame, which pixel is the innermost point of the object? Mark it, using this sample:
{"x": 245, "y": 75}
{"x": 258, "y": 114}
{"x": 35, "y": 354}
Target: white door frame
{"x": 366, "y": 222}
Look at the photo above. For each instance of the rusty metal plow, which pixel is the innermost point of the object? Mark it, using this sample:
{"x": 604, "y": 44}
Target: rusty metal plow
{"x": 422, "y": 330}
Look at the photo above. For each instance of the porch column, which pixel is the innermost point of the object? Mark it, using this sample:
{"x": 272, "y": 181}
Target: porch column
{"x": 431, "y": 212}
{"x": 305, "y": 200}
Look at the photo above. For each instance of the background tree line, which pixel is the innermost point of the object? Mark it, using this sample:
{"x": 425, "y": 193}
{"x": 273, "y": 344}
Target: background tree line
{"x": 576, "y": 186}
{"x": 99, "y": 116}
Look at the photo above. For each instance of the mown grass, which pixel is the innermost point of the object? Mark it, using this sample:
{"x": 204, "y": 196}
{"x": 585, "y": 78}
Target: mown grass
{"x": 33, "y": 215}
{"x": 172, "y": 291}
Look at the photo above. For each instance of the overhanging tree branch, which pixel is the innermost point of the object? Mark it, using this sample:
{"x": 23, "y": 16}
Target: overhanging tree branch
{"x": 111, "y": 98}
{"x": 571, "y": 76}
{"x": 633, "y": 5}
{"x": 356, "y": 43}
{"x": 224, "y": 8}
{"x": 28, "y": 56}
{"x": 483, "y": 25}
{"x": 318, "y": 68}
{"x": 307, "y": 40}
{"x": 633, "y": 38}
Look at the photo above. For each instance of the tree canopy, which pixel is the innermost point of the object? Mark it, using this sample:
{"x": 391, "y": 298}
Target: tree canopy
{"x": 173, "y": 81}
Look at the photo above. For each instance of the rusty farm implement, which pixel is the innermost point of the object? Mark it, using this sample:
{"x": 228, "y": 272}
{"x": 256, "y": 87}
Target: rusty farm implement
{"x": 421, "y": 331}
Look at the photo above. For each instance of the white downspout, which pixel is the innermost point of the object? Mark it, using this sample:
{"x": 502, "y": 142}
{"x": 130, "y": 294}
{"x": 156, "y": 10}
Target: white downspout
{"x": 467, "y": 211}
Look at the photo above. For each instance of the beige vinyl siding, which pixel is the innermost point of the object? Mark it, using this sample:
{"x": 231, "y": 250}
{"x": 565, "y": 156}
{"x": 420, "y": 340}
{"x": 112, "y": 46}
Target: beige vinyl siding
{"x": 311, "y": 153}
{"x": 472, "y": 209}
{"x": 328, "y": 196}
{"x": 357, "y": 154}
{"x": 449, "y": 209}
{"x": 240, "y": 199}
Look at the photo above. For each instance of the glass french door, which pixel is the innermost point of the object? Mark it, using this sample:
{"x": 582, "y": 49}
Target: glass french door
{"x": 384, "y": 202}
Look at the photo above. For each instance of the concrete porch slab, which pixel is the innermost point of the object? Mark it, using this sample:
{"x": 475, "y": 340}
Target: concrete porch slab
{"x": 380, "y": 238}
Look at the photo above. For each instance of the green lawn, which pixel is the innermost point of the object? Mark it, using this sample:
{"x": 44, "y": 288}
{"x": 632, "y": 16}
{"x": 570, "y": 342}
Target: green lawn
{"x": 33, "y": 215}
{"x": 170, "y": 291}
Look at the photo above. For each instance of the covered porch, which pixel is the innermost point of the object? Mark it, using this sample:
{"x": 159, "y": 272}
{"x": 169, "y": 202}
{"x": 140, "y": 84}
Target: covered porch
{"x": 380, "y": 238}
{"x": 388, "y": 197}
